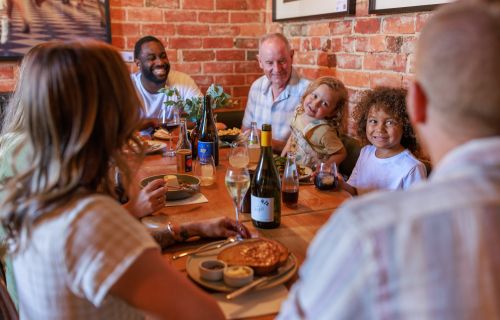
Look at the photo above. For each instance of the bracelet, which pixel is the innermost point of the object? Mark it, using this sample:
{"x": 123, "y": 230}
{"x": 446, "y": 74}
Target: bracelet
{"x": 183, "y": 234}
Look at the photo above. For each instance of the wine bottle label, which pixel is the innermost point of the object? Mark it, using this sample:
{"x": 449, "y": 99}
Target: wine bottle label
{"x": 205, "y": 150}
{"x": 262, "y": 209}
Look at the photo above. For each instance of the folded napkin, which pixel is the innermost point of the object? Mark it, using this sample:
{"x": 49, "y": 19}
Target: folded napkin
{"x": 197, "y": 198}
{"x": 254, "y": 303}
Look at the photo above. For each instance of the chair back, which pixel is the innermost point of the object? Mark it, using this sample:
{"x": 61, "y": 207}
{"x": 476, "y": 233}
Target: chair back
{"x": 8, "y": 310}
{"x": 353, "y": 148}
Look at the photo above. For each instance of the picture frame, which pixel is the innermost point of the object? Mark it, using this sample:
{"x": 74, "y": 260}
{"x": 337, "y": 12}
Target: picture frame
{"x": 290, "y": 10}
{"x": 403, "y": 6}
{"x": 32, "y": 22}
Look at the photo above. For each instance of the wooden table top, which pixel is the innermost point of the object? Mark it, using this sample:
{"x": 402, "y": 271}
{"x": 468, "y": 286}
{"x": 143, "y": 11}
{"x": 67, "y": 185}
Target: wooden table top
{"x": 298, "y": 225}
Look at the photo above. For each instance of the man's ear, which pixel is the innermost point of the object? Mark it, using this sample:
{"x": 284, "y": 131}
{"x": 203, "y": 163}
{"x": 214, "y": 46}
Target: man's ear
{"x": 137, "y": 63}
{"x": 258, "y": 60}
{"x": 417, "y": 103}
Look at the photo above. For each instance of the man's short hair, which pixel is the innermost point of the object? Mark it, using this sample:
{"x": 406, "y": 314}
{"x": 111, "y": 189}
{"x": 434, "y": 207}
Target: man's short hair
{"x": 458, "y": 66}
{"x": 273, "y": 36}
{"x": 140, "y": 42}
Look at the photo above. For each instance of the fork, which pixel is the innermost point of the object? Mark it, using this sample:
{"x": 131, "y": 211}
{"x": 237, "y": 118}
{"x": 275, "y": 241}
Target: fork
{"x": 199, "y": 250}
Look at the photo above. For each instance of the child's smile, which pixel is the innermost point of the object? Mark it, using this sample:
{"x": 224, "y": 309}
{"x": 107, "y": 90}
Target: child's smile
{"x": 384, "y": 132}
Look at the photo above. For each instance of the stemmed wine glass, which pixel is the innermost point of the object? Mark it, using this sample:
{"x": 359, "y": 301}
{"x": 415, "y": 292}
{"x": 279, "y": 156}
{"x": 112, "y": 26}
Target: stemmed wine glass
{"x": 169, "y": 119}
{"x": 237, "y": 183}
{"x": 238, "y": 155}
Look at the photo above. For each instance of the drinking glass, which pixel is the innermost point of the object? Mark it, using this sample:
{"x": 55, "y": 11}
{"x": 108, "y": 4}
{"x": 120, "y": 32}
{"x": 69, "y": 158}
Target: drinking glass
{"x": 204, "y": 169}
{"x": 237, "y": 182}
{"x": 326, "y": 176}
{"x": 169, "y": 119}
{"x": 238, "y": 155}
{"x": 290, "y": 181}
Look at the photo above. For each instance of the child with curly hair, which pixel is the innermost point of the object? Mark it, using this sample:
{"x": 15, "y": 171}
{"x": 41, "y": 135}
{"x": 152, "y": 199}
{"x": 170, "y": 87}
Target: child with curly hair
{"x": 316, "y": 123}
{"x": 386, "y": 161}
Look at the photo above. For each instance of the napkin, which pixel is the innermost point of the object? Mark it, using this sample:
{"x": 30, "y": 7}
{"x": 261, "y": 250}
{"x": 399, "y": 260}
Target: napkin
{"x": 197, "y": 198}
{"x": 253, "y": 303}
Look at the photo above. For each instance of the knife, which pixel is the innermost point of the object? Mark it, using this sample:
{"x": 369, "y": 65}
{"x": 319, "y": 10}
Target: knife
{"x": 281, "y": 271}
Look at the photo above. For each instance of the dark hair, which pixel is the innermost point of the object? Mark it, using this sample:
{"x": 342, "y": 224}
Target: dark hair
{"x": 140, "y": 42}
{"x": 392, "y": 101}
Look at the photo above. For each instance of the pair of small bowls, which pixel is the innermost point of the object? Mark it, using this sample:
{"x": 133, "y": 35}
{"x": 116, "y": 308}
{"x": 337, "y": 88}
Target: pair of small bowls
{"x": 233, "y": 276}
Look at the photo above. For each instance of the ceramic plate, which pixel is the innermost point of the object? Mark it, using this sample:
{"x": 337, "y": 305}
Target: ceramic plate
{"x": 153, "y": 146}
{"x": 194, "y": 261}
{"x": 192, "y": 182}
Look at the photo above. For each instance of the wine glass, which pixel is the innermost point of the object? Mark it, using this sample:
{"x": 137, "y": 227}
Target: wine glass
{"x": 326, "y": 176}
{"x": 237, "y": 182}
{"x": 169, "y": 119}
{"x": 238, "y": 155}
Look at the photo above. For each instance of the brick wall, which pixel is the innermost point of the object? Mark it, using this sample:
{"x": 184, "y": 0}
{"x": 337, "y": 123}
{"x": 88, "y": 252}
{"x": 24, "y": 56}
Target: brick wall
{"x": 216, "y": 41}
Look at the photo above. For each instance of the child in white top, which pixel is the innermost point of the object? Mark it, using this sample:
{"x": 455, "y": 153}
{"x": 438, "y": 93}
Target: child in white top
{"x": 386, "y": 162}
{"x": 316, "y": 123}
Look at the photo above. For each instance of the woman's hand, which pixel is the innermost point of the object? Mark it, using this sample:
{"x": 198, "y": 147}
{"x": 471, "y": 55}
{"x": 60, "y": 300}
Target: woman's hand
{"x": 221, "y": 227}
{"x": 151, "y": 198}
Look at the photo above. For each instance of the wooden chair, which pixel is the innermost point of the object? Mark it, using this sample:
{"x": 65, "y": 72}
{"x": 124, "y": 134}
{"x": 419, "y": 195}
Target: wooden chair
{"x": 8, "y": 310}
{"x": 353, "y": 148}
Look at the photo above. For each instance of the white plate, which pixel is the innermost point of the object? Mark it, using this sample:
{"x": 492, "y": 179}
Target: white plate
{"x": 153, "y": 146}
{"x": 193, "y": 271}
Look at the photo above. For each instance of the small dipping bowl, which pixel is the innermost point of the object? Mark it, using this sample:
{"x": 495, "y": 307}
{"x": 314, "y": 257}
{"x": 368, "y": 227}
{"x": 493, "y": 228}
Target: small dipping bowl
{"x": 238, "y": 276}
{"x": 212, "y": 270}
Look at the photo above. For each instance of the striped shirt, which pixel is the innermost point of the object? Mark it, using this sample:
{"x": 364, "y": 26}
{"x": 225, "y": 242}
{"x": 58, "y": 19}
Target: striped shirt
{"x": 262, "y": 109}
{"x": 431, "y": 252}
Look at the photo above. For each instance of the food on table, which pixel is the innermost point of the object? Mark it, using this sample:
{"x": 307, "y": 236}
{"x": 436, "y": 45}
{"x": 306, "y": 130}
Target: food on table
{"x": 212, "y": 270}
{"x": 262, "y": 255}
{"x": 162, "y": 134}
{"x": 171, "y": 181}
{"x": 220, "y": 126}
{"x": 280, "y": 163}
{"x": 238, "y": 276}
{"x": 229, "y": 132}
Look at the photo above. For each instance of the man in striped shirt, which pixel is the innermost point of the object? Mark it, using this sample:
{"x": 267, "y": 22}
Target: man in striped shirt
{"x": 431, "y": 252}
{"x": 274, "y": 96}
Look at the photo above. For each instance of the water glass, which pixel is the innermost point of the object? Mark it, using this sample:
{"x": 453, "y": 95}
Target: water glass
{"x": 238, "y": 155}
{"x": 204, "y": 169}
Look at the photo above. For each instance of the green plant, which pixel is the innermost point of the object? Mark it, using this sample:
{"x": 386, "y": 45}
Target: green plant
{"x": 191, "y": 108}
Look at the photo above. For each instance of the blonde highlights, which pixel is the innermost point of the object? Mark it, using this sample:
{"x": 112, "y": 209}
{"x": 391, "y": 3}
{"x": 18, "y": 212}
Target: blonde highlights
{"x": 80, "y": 111}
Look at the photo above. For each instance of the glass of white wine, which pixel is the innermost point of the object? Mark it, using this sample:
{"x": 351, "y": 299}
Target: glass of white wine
{"x": 238, "y": 155}
{"x": 237, "y": 183}
{"x": 204, "y": 169}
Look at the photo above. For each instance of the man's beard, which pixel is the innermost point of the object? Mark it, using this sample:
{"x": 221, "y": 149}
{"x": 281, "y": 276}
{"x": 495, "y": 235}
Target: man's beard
{"x": 148, "y": 74}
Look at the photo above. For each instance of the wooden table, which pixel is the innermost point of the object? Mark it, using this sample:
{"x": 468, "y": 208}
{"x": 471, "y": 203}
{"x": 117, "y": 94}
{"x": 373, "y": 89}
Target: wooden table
{"x": 298, "y": 225}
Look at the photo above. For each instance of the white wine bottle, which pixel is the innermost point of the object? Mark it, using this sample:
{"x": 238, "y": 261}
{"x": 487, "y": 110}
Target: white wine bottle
{"x": 208, "y": 140}
{"x": 266, "y": 186}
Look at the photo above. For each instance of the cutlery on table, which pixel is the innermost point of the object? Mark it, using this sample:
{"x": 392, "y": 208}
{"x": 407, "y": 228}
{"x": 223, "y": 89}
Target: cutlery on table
{"x": 281, "y": 271}
{"x": 209, "y": 248}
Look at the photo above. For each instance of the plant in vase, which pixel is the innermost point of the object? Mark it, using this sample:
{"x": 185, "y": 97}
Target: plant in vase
{"x": 192, "y": 108}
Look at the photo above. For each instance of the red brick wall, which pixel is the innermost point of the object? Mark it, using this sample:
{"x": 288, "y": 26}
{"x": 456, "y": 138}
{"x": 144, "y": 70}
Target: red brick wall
{"x": 216, "y": 41}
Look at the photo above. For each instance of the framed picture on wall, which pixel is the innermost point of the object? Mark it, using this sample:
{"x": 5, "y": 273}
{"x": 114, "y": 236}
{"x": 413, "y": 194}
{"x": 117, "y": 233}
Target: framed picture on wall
{"x": 402, "y": 6}
{"x": 311, "y": 9}
{"x": 30, "y": 22}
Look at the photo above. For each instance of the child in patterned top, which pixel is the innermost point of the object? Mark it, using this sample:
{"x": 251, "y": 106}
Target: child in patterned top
{"x": 316, "y": 123}
{"x": 386, "y": 161}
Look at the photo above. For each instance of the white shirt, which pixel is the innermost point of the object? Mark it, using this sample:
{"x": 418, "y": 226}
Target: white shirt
{"x": 73, "y": 258}
{"x": 262, "y": 108}
{"x": 154, "y": 101}
{"x": 398, "y": 172}
{"x": 431, "y": 252}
